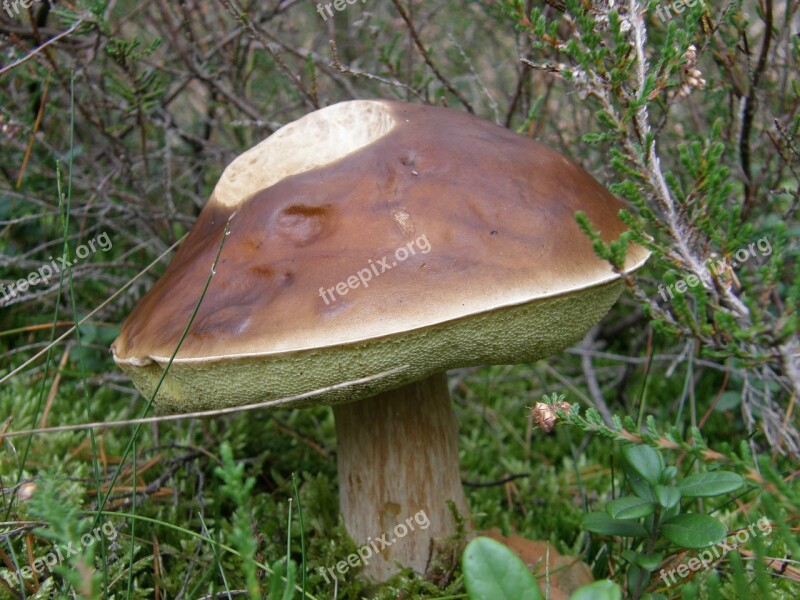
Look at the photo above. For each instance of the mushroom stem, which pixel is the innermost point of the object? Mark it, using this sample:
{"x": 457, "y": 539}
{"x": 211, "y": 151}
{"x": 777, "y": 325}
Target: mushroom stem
{"x": 398, "y": 467}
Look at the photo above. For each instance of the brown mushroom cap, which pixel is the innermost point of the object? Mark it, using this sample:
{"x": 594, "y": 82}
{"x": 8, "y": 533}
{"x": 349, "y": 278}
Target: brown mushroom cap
{"x": 500, "y": 271}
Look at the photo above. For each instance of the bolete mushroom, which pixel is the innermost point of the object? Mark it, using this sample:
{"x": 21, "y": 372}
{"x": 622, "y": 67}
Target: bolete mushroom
{"x": 365, "y": 236}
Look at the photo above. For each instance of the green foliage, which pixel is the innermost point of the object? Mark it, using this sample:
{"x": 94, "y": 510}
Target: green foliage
{"x": 239, "y": 491}
{"x": 282, "y": 580}
{"x": 493, "y": 572}
{"x": 599, "y": 590}
{"x": 652, "y": 518}
{"x": 73, "y": 543}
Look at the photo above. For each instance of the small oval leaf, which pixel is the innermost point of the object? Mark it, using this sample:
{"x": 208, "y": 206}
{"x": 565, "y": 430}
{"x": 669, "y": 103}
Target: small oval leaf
{"x": 599, "y": 590}
{"x": 667, "y": 495}
{"x": 602, "y": 523}
{"x": 693, "y": 531}
{"x": 714, "y": 483}
{"x": 649, "y": 562}
{"x": 668, "y": 475}
{"x": 493, "y": 572}
{"x": 630, "y": 507}
{"x": 640, "y": 486}
{"x": 645, "y": 461}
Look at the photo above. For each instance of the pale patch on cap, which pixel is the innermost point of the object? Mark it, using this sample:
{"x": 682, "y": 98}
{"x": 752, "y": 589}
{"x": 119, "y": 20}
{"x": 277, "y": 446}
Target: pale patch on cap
{"x": 318, "y": 139}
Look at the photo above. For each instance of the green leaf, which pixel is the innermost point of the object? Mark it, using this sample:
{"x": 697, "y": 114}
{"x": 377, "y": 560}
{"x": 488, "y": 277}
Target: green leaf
{"x": 602, "y": 523}
{"x": 645, "y": 461}
{"x": 275, "y": 583}
{"x": 630, "y": 507}
{"x": 649, "y": 562}
{"x": 636, "y": 577}
{"x": 599, "y": 590}
{"x": 278, "y": 590}
{"x": 668, "y": 513}
{"x": 668, "y": 475}
{"x": 639, "y": 485}
{"x": 291, "y": 579}
{"x": 714, "y": 483}
{"x": 693, "y": 531}
{"x": 646, "y": 562}
{"x": 493, "y": 572}
{"x": 667, "y": 495}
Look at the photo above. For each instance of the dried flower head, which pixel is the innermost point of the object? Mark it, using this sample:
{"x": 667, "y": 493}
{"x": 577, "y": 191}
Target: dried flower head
{"x": 545, "y": 414}
{"x": 8, "y": 129}
{"x": 722, "y": 270}
{"x": 691, "y": 76}
{"x": 26, "y": 491}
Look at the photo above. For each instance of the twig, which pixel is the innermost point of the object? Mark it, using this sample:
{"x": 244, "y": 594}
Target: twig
{"x": 591, "y": 379}
{"x": 750, "y": 103}
{"x": 348, "y": 71}
{"x": 259, "y": 36}
{"x": 49, "y": 42}
{"x": 652, "y": 165}
{"x": 486, "y": 484}
{"x": 444, "y": 81}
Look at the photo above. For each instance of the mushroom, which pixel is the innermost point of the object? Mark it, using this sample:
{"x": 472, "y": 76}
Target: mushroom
{"x": 365, "y": 236}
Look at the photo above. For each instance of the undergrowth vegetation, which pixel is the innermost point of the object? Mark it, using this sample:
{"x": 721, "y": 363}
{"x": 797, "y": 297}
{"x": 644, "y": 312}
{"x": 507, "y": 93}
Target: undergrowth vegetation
{"x": 116, "y": 120}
